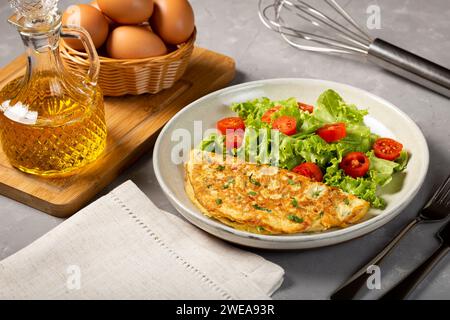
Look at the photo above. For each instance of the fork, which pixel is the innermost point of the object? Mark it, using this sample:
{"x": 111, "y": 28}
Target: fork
{"x": 408, "y": 284}
{"x": 437, "y": 208}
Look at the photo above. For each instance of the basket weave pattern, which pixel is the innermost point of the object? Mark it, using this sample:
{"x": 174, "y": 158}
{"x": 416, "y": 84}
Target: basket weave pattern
{"x": 119, "y": 77}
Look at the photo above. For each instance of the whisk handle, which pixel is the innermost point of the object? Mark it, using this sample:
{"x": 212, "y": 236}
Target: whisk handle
{"x": 410, "y": 66}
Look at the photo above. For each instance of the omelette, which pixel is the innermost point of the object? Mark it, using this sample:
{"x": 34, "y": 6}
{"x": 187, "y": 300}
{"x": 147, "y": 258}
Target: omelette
{"x": 265, "y": 199}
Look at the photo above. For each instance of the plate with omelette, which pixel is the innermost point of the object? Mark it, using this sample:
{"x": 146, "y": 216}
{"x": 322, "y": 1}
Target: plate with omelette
{"x": 290, "y": 163}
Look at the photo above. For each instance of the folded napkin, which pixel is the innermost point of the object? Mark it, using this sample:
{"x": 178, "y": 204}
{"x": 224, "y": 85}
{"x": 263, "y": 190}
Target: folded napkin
{"x": 123, "y": 247}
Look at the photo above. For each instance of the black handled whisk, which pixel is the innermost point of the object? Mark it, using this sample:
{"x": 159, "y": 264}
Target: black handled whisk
{"x": 333, "y": 37}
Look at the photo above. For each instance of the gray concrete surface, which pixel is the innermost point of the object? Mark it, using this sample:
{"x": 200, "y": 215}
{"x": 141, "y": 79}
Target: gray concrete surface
{"x": 232, "y": 27}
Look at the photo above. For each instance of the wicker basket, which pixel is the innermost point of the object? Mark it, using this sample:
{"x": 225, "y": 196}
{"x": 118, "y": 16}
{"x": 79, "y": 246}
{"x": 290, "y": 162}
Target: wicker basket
{"x": 120, "y": 77}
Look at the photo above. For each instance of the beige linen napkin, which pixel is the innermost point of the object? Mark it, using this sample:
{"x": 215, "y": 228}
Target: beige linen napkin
{"x": 123, "y": 247}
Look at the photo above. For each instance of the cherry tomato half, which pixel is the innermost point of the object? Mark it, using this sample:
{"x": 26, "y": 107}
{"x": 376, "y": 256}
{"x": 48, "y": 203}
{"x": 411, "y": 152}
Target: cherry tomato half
{"x": 310, "y": 170}
{"x": 355, "y": 164}
{"x": 387, "y": 149}
{"x": 305, "y": 107}
{"x": 332, "y": 132}
{"x": 234, "y": 139}
{"x": 230, "y": 124}
{"x": 267, "y": 116}
{"x": 286, "y": 125}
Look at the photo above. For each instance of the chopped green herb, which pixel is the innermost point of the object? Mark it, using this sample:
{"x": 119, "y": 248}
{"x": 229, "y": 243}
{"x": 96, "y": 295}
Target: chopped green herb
{"x": 253, "y": 193}
{"x": 260, "y": 229}
{"x": 220, "y": 168}
{"x": 261, "y": 208}
{"x": 219, "y": 201}
{"x": 295, "y": 218}
{"x": 347, "y": 202}
{"x": 321, "y": 214}
{"x": 253, "y": 181}
{"x": 293, "y": 183}
{"x": 295, "y": 203}
{"x": 316, "y": 194}
{"x": 229, "y": 182}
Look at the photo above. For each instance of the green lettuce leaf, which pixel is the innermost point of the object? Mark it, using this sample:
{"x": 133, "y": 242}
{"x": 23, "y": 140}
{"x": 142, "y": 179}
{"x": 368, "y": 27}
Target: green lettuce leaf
{"x": 363, "y": 188}
{"x": 214, "y": 143}
{"x": 381, "y": 170}
{"x": 252, "y": 111}
{"x": 331, "y": 109}
{"x": 402, "y": 161}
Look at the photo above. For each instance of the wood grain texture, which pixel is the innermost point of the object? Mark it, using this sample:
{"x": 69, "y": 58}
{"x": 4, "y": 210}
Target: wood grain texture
{"x": 132, "y": 123}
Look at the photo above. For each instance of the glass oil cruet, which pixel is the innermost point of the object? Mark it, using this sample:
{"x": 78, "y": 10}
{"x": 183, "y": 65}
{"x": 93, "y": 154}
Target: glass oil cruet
{"x": 52, "y": 122}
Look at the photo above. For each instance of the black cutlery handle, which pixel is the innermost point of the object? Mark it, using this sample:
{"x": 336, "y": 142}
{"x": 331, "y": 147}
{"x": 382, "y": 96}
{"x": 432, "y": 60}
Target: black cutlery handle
{"x": 408, "y": 284}
{"x": 351, "y": 287}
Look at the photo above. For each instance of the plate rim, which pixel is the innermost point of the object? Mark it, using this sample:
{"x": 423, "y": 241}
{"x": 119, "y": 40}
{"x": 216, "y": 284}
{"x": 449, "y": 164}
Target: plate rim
{"x": 295, "y": 238}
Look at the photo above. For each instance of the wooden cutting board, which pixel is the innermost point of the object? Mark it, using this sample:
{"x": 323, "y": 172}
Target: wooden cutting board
{"x": 132, "y": 123}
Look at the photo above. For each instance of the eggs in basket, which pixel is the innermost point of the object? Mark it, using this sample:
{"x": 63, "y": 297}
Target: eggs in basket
{"x": 144, "y": 46}
{"x": 132, "y": 29}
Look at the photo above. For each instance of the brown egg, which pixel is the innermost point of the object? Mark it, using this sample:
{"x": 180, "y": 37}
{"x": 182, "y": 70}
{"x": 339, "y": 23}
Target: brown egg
{"x": 173, "y": 20}
{"x": 127, "y": 11}
{"x": 95, "y": 5}
{"x": 89, "y": 18}
{"x": 134, "y": 42}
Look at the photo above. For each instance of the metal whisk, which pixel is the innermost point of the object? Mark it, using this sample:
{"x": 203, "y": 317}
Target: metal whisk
{"x": 307, "y": 28}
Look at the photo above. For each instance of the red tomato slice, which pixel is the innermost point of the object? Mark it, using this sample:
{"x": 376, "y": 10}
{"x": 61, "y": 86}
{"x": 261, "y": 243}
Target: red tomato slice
{"x": 234, "y": 139}
{"x": 387, "y": 149}
{"x": 332, "y": 132}
{"x": 310, "y": 170}
{"x": 286, "y": 125}
{"x": 230, "y": 124}
{"x": 355, "y": 164}
{"x": 267, "y": 117}
{"x": 305, "y": 107}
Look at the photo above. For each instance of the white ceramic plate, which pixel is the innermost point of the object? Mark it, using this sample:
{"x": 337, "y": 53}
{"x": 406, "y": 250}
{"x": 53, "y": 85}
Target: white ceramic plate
{"x": 384, "y": 119}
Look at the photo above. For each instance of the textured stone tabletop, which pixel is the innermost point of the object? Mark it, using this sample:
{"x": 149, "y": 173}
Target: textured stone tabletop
{"x": 233, "y": 28}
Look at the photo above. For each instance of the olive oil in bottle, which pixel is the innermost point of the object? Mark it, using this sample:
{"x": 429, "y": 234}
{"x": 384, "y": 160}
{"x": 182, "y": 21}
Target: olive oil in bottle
{"x": 52, "y": 122}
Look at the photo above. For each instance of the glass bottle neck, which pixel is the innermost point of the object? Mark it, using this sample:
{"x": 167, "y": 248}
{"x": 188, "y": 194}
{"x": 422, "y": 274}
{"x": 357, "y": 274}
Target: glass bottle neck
{"x": 46, "y": 74}
{"x": 42, "y": 49}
